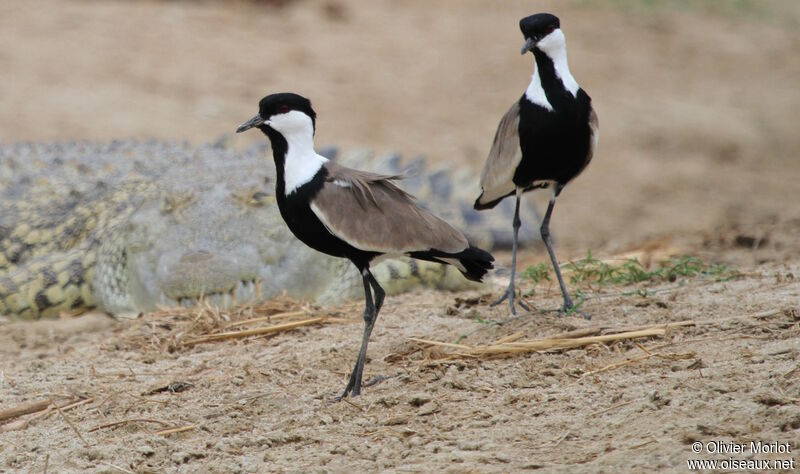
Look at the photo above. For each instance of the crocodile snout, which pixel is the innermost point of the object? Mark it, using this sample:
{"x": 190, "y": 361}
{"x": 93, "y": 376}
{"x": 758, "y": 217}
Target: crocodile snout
{"x": 200, "y": 274}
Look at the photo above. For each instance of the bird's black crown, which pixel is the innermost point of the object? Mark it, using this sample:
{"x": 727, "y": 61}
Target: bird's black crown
{"x": 283, "y": 102}
{"x": 539, "y": 25}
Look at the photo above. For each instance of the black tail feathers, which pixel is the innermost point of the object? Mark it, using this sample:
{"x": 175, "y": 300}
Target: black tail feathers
{"x": 472, "y": 262}
{"x": 476, "y": 263}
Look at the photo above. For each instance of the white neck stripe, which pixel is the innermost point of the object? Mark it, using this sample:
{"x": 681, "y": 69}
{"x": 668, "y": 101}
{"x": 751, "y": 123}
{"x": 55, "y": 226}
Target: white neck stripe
{"x": 554, "y": 46}
{"x": 535, "y": 92}
{"x": 300, "y": 165}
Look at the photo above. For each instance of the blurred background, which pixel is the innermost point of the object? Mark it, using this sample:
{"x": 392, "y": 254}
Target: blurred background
{"x": 699, "y": 101}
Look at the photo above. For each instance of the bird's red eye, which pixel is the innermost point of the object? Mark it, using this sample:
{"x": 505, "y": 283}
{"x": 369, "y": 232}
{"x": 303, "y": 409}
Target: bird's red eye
{"x": 283, "y": 109}
{"x": 550, "y": 29}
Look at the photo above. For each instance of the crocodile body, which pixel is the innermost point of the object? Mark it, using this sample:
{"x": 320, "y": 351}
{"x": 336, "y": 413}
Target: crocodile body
{"x": 127, "y": 226}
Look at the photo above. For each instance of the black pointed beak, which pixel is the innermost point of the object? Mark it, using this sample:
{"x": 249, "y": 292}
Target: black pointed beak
{"x": 253, "y": 122}
{"x": 529, "y": 44}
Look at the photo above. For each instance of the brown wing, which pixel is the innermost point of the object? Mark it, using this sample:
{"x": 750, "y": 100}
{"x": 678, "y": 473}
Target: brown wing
{"x": 504, "y": 156}
{"x": 371, "y": 213}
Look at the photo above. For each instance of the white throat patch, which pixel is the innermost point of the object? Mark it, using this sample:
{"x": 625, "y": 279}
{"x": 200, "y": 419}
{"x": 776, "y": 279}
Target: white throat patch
{"x": 301, "y": 162}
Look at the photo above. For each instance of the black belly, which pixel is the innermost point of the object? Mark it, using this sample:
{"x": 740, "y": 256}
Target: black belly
{"x": 555, "y": 144}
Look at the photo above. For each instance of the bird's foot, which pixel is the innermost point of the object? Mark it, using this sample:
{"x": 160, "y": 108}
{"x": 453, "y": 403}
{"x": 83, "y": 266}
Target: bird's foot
{"x": 352, "y": 392}
{"x": 353, "y": 388}
{"x": 348, "y": 392}
{"x": 510, "y": 295}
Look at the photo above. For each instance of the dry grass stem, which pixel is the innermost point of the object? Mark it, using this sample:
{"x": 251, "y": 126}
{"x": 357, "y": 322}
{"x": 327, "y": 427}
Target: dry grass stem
{"x": 115, "y": 424}
{"x": 71, "y": 425}
{"x": 24, "y": 422}
{"x": 597, "y": 330}
{"x": 640, "y": 445}
{"x": 612, "y": 407}
{"x": 271, "y": 318}
{"x": 510, "y": 337}
{"x": 71, "y": 405}
{"x": 24, "y": 409}
{"x": 253, "y": 332}
{"x": 460, "y": 347}
{"x": 353, "y": 404}
{"x": 552, "y": 343}
{"x": 41, "y": 408}
{"x": 582, "y": 332}
{"x": 170, "y": 431}
{"x": 177, "y": 328}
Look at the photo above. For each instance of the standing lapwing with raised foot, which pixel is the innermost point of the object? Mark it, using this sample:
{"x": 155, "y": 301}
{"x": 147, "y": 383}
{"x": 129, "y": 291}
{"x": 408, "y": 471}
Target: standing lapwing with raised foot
{"x": 544, "y": 140}
{"x": 352, "y": 214}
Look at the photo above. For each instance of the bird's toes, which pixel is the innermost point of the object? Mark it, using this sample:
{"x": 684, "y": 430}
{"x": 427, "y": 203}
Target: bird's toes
{"x": 506, "y": 295}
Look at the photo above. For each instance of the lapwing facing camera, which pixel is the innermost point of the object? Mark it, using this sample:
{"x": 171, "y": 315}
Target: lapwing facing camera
{"x": 544, "y": 140}
{"x": 352, "y": 214}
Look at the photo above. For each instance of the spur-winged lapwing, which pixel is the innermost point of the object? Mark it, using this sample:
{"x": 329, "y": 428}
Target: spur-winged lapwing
{"x": 545, "y": 139}
{"x": 352, "y": 214}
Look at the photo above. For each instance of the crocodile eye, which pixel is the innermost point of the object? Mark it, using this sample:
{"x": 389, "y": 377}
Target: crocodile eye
{"x": 283, "y": 109}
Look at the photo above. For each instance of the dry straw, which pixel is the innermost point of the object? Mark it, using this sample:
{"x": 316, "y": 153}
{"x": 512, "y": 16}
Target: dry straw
{"x": 181, "y": 328}
{"x": 507, "y": 346}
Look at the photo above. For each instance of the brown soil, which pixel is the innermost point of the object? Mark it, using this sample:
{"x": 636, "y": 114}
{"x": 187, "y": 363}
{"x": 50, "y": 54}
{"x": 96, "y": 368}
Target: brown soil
{"x": 698, "y": 150}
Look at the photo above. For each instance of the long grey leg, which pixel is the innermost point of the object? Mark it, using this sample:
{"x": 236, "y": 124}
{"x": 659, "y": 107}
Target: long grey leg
{"x": 370, "y": 315}
{"x": 548, "y": 242}
{"x": 379, "y": 293}
{"x": 510, "y": 294}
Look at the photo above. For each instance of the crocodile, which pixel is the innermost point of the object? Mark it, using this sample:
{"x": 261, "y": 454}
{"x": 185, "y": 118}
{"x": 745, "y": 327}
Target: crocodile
{"x": 127, "y": 226}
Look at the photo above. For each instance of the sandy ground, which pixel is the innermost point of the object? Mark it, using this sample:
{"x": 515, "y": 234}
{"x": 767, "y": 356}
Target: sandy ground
{"x": 698, "y": 151}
